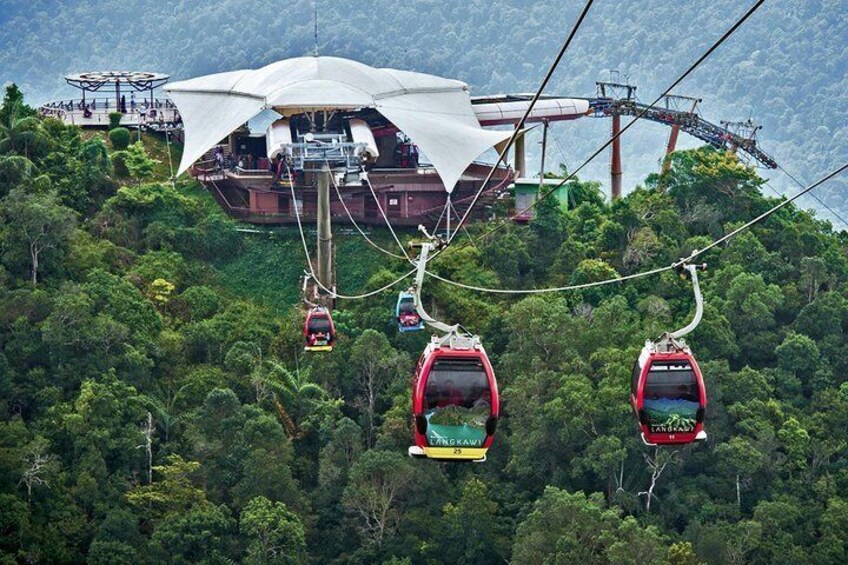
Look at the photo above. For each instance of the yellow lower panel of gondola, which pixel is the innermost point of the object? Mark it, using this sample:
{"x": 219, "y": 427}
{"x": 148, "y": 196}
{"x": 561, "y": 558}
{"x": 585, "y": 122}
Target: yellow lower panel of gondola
{"x": 318, "y": 348}
{"x": 458, "y": 453}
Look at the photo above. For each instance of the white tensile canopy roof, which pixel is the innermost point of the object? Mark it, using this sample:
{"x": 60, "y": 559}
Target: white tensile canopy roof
{"x": 434, "y": 112}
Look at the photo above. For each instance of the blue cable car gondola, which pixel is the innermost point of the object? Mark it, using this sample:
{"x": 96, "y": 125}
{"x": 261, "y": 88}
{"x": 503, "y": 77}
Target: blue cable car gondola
{"x": 408, "y": 318}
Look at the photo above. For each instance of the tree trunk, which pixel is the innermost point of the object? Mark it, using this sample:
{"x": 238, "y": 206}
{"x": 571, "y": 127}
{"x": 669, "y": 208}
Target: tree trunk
{"x": 149, "y": 445}
{"x": 291, "y": 427}
{"x": 738, "y": 493}
{"x": 371, "y": 403}
{"x": 33, "y": 252}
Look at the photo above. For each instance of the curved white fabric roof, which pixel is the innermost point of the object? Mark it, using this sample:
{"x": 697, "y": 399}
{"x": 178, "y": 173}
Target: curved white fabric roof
{"x": 434, "y": 112}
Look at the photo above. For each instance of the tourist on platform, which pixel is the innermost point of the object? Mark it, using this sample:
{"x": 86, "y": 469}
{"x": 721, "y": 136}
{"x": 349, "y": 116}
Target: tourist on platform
{"x": 219, "y": 159}
{"x": 413, "y": 156}
{"x": 123, "y": 104}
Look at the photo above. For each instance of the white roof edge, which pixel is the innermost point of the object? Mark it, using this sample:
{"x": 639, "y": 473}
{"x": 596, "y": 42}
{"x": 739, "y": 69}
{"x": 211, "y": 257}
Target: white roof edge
{"x": 436, "y": 113}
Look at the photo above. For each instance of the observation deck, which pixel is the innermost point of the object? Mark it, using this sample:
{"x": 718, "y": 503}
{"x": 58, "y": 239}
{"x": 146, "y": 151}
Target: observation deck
{"x": 133, "y": 97}
{"x": 94, "y": 112}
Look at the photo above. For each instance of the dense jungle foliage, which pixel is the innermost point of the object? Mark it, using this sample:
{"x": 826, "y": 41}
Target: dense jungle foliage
{"x": 786, "y": 67}
{"x": 157, "y": 406}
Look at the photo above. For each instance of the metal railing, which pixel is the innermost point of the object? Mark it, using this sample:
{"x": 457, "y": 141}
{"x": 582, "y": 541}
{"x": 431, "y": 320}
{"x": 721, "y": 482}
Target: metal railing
{"x": 160, "y": 114}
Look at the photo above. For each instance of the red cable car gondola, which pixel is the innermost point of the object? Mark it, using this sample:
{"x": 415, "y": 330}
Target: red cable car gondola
{"x": 319, "y": 333}
{"x": 455, "y": 402}
{"x": 667, "y": 390}
{"x": 668, "y": 395}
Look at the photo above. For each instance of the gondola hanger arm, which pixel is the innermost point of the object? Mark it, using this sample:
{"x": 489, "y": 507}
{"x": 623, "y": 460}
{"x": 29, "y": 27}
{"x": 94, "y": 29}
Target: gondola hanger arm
{"x": 421, "y": 264}
{"x": 699, "y": 301}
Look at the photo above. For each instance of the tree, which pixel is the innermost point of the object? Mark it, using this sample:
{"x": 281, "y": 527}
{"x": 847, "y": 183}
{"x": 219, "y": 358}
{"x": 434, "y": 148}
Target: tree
{"x": 796, "y": 443}
{"x": 565, "y": 528}
{"x": 814, "y": 276}
{"x": 13, "y": 104}
{"x": 120, "y": 138}
{"x": 374, "y": 493}
{"x": 38, "y": 465}
{"x": 276, "y": 534}
{"x": 472, "y": 525}
{"x": 173, "y": 493}
{"x": 37, "y": 222}
{"x": 657, "y": 464}
{"x": 22, "y": 134}
{"x": 637, "y": 545}
{"x": 293, "y": 394}
{"x": 376, "y": 363}
{"x": 138, "y": 163}
{"x": 741, "y": 459}
{"x": 200, "y": 535}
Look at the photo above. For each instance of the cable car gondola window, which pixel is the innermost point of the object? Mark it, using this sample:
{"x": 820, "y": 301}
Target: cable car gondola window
{"x": 319, "y": 324}
{"x": 671, "y": 397}
{"x": 407, "y": 305}
{"x": 457, "y": 403}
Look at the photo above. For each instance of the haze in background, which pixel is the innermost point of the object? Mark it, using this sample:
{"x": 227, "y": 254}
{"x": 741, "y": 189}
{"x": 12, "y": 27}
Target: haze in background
{"x": 786, "y": 67}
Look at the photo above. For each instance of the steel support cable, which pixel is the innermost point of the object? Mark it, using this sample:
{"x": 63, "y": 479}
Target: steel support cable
{"x": 561, "y": 150}
{"x": 356, "y": 225}
{"x": 782, "y": 195}
{"x": 464, "y": 229}
{"x": 680, "y": 79}
{"x": 333, "y": 293}
{"x": 520, "y": 124}
{"x": 673, "y": 266}
{"x": 762, "y": 216}
{"x": 554, "y": 289}
{"x": 819, "y": 200}
{"x": 442, "y": 215}
{"x": 386, "y": 218}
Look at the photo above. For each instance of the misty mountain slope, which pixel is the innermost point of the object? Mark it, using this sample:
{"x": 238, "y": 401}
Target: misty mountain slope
{"x": 785, "y": 68}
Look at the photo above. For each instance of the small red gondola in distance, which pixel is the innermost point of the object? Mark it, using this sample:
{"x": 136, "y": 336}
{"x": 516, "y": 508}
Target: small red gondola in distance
{"x": 668, "y": 396}
{"x": 455, "y": 401}
{"x": 319, "y": 333}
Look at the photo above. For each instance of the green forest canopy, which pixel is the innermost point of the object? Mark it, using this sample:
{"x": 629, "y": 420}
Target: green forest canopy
{"x": 156, "y": 406}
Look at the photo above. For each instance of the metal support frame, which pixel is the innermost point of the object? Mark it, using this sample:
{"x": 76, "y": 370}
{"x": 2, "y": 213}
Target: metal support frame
{"x": 421, "y": 264}
{"x": 672, "y": 341}
{"x": 545, "y": 125}
{"x": 339, "y": 153}
{"x": 690, "y": 122}
{"x": 615, "y": 160}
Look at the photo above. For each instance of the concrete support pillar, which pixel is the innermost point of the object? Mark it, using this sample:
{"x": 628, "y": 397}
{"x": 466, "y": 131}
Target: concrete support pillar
{"x": 325, "y": 231}
{"x": 615, "y": 167}
{"x": 520, "y": 157}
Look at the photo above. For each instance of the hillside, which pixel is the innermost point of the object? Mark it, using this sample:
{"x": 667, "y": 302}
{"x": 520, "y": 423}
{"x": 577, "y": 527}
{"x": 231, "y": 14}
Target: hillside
{"x": 785, "y": 68}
